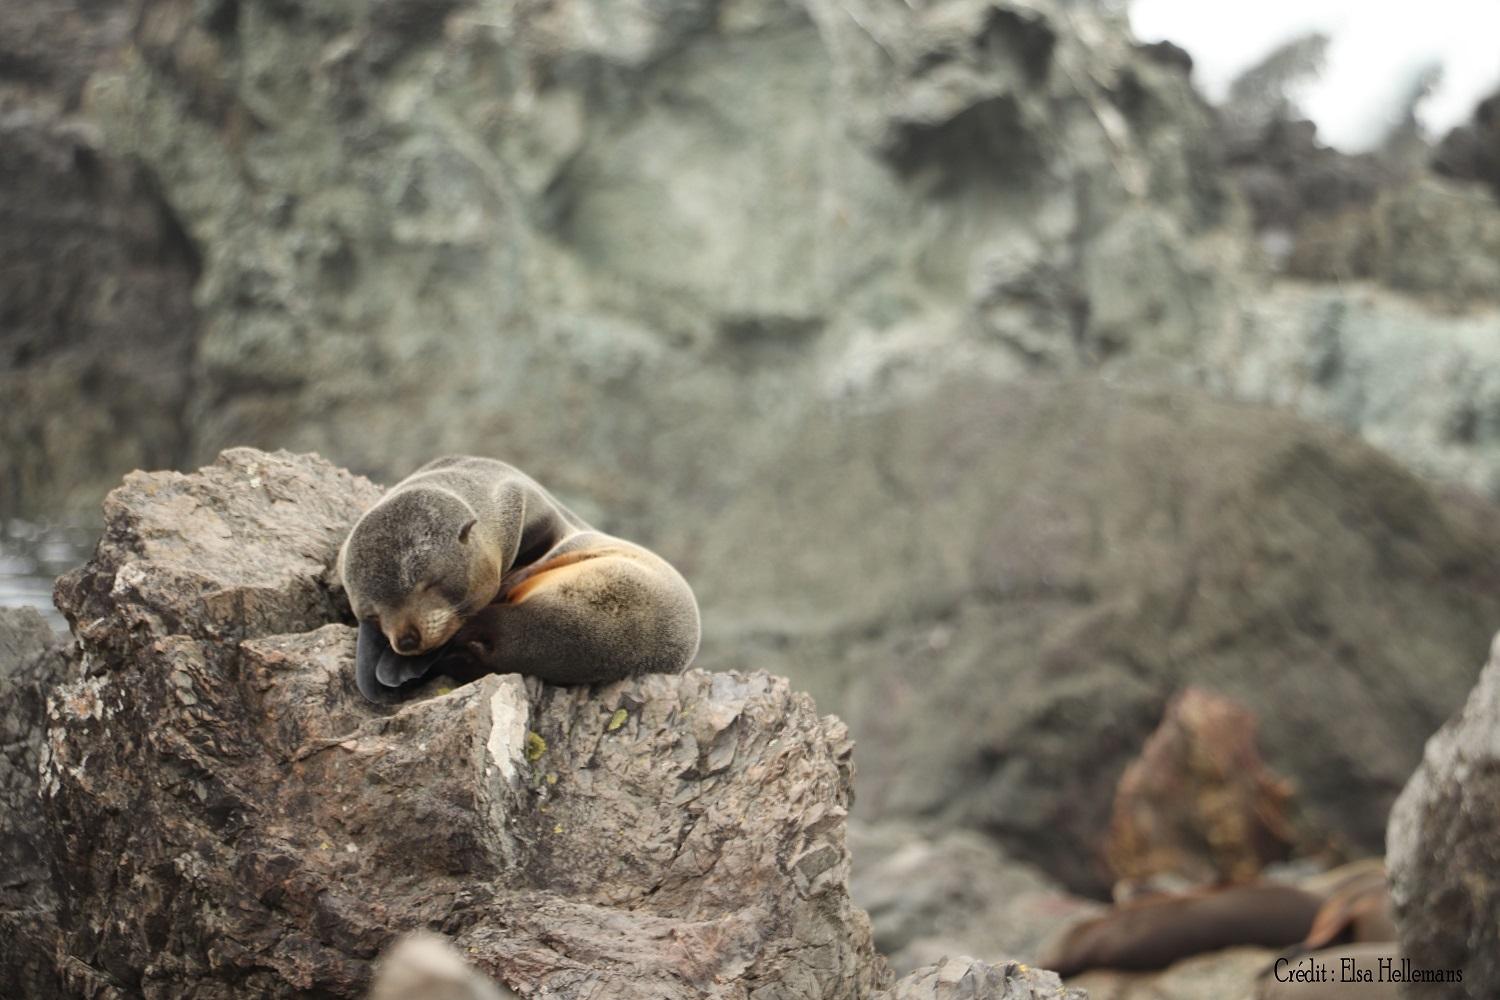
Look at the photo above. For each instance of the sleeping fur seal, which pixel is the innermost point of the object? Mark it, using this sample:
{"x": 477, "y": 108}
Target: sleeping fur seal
{"x": 470, "y": 563}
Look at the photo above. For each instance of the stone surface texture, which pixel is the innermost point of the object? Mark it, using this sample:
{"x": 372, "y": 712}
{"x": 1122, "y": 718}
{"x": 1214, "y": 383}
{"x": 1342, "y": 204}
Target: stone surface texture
{"x": 1443, "y": 849}
{"x": 32, "y": 663}
{"x": 932, "y": 894}
{"x": 1199, "y": 803}
{"x": 1020, "y": 581}
{"x": 227, "y": 817}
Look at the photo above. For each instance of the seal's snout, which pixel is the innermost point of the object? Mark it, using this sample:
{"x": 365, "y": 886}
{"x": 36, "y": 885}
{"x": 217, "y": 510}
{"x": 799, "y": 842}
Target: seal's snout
{"x": 409, "y": 641}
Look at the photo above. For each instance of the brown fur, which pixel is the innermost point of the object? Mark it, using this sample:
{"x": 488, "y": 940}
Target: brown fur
{"x": 604, "y": 611}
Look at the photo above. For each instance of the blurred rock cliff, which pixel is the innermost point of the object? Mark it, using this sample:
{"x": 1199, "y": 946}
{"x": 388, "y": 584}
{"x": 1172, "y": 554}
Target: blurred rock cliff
{"x": 975, "y": 370}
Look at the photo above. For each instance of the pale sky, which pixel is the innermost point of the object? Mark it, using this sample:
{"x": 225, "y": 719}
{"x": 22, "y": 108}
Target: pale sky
{"x": 1377, "y": 49}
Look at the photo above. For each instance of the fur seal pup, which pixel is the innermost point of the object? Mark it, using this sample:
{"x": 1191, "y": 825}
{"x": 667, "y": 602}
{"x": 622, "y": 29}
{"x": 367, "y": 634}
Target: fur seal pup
{"x": 470, "y": 564}
{"x": 1153, "y": 933}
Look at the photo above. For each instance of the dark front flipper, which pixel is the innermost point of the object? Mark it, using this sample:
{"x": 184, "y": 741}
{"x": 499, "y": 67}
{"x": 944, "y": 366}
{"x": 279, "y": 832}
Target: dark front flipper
{"x": 381, "y": 674}
{"x": 368, "y": 649}
{"x": 394, "y": 670}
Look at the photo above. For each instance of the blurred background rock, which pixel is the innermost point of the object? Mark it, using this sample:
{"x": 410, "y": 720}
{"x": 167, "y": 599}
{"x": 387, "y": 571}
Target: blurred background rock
{"x": 982, "y": 375}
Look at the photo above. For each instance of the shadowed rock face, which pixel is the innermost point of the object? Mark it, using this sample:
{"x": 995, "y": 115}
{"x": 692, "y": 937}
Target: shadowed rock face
{"x": 1472, "y": 150}
{"x": 31, "y": 665}
{"x": 1443, "y": 848}
{"x": 96, "y": 319}
{"x": 227, "y": 817}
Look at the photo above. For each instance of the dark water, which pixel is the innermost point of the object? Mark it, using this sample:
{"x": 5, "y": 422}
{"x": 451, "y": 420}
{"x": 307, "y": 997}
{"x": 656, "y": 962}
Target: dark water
{"x": 31, "y": 557}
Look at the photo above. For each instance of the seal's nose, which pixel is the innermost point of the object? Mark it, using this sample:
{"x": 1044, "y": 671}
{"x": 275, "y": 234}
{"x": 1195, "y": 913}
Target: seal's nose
{"x": 409, "y": 641}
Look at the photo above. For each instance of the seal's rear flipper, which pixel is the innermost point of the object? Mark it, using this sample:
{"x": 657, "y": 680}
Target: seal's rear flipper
{"x": 380, "y": 673}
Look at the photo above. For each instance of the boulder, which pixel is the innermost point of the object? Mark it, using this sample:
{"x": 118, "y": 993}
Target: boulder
{"x": 427, "y": 966}
{"x": 97, "y": 324}
{"x": 1199, "y": 804}
{"x": 1443, "y": 850}
{"x": 416, "y": 228}
{"x": 227, "y": 817}
{"x": 1002, "y": 587}
{"x": 1416, "y": 379}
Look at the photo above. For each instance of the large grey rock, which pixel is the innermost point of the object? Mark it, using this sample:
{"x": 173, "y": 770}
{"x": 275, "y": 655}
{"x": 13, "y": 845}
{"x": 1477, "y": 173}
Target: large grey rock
{"x": 426, "y": 966}
{"x": 1001, "y": 589}
{"x": 1417, "y": 379}
{"x": 228, "y": 817}
{"x": 1443, "y": 849}
{"x": 96, "y": 319}
{"x": 640, "y": 237}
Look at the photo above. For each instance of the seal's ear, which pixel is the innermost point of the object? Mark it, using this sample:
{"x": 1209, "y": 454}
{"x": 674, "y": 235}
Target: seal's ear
{"x": 463, "y": 533}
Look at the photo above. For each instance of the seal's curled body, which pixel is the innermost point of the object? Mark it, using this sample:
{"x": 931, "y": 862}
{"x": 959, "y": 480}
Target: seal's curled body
{"x": 471, "y": 564}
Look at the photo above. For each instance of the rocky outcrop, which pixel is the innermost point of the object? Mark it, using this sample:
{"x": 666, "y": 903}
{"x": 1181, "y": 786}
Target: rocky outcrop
{"x": 1434, "y": 240}
{"x": 227, "y": 817}
{"x": 1441, "y": 849}
{"x": 1002, "y": 589}
{"x": 31, "y": 665}
{"x": 1416, "y": 379}
{"x": 1199, "y": 804}
{"x": 1472, "y": 150}
{"x": 97, "y": 327}
{"x": 422, "y": 228}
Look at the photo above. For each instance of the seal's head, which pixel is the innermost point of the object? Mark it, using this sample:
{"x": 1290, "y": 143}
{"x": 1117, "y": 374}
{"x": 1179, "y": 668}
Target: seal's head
{"x": 415, "y": 568}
